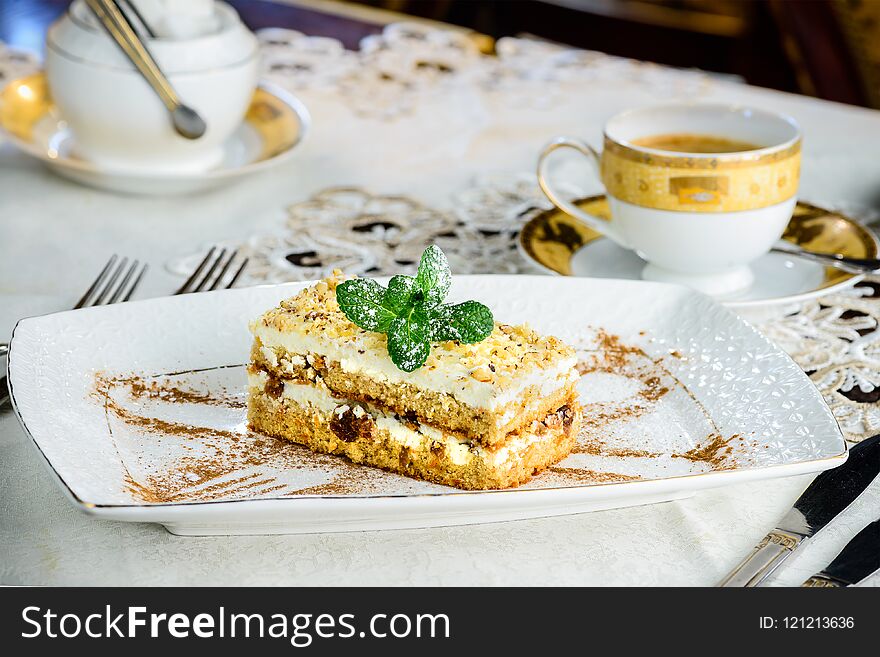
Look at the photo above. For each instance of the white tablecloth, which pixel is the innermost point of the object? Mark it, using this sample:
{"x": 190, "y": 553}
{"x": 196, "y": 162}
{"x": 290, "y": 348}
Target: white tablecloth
{"x": 420, "y": 115}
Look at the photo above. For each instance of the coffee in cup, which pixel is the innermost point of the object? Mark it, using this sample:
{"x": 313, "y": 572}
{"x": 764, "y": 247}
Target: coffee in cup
{"x": 697, "y": 190}
{"x": 691, "y": 143}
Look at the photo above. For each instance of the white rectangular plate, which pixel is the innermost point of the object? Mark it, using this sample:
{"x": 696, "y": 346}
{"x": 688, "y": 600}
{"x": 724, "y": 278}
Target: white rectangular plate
{"x": 139, "y": 409}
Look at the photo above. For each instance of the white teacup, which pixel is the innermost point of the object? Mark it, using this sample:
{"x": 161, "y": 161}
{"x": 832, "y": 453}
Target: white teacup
{"x": 117, "y": 120}
{"x": 698, "y": 218}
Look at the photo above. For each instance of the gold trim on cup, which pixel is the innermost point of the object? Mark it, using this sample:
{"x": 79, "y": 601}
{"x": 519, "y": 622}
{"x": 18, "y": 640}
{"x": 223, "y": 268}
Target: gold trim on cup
{"x": 726, "y": 182}
{"x": 713, "y": 162}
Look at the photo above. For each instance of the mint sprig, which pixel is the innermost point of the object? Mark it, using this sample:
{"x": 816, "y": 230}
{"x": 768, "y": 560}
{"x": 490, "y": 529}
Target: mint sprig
{"x": 433, "y": 278}
{"x": 411, "y": 312}
{"x": 365, "y": 299}
{"x": 467, "y": 322}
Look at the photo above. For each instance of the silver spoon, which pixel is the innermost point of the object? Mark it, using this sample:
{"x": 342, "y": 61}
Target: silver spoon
{"x": 186, "y": 120}
{"x": 129, "y": 7}
{"x": 849, "y": 265}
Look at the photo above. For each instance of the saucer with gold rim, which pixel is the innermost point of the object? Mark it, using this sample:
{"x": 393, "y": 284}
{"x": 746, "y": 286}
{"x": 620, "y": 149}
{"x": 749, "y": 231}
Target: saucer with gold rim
{"x": 560, "y": 244}
{"x": 274, "y": 125}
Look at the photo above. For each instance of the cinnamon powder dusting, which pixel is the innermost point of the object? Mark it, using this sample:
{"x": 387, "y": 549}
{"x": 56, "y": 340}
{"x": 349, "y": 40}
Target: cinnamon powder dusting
{"x": 217, "y": 463}
{"x": 595, "y": 447}
{"x": 342, "y": 483}
{"x": 611, "y": 355}
{"x": 715, "y": 452}
{"x": 231, "y": 462}
{"x": 654, "y": 389}
{"x": 164, "y": 427}
{"x": 174, "y": 395}
{"x": 139, "y": 387}
{"x": 581, "y": 476}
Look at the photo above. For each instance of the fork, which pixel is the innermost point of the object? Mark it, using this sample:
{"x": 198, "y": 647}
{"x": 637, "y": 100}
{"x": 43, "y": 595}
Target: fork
{"x": 204, "y": 277}
{"x": 103, "y": 291}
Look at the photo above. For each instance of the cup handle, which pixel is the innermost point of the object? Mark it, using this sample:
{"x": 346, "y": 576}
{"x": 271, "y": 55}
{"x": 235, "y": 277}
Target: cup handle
{"x": 604, "y": 227}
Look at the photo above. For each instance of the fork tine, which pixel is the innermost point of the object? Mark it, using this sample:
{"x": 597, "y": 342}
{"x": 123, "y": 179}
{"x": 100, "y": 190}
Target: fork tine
{"x": 96, "y": 283}
{"x": 209, "y": 273}
{"x": 108, "y": 286}
{"x": 223, "y": 271}
{"x": 184, "y": 288}
{"x": 237, "y": 274}
{"x": 122, "y": 284}
{"x": 137, "y": 281}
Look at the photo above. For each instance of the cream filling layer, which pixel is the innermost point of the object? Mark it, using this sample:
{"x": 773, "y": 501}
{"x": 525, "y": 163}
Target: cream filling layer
{"x": 453, "y": 378}
{"x": 460, "y": 451}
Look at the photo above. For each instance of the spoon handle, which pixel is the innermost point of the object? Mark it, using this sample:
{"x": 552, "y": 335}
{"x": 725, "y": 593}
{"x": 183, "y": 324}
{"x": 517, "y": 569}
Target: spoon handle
{"x": 116, "y": 23}
{"x": 850, "y": 265}
{"x": 128, "y": 7}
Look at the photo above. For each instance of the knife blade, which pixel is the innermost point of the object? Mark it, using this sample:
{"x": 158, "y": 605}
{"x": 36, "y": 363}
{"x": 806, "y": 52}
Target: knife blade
{"x": 829, "y": 494}
{"x": 858, "y": 559}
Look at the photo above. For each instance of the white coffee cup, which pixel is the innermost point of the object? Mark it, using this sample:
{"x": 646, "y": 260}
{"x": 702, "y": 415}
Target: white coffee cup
{"x": 697, "y": 218}
{"x": 118, "y": 121}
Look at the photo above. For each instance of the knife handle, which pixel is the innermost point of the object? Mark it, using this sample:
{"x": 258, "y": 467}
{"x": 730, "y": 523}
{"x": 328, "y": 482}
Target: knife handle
{"x": 764, "y": 559}
{"x": 823, "y": 581}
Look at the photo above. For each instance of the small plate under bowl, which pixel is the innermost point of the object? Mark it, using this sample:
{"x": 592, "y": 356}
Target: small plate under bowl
{"x": 274, "y": 125}
{"x": 560, "y": 244}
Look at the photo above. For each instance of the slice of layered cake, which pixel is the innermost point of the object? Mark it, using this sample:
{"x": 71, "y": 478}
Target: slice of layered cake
{"x": 465, "y": 413}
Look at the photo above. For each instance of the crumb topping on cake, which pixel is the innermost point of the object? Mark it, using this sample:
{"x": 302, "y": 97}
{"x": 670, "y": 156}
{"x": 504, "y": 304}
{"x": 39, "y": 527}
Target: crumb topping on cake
{"x": 497, "y": 360}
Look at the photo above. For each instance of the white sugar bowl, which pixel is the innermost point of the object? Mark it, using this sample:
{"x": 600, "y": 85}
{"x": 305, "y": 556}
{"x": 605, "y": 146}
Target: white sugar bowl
{"x": 117, "y": 120}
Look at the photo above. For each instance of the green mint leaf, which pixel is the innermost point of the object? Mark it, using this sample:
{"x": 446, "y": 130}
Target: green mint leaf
{"x": 399, "y": 294}
{"x": 467, "y": 322}
{"x": 439, "y": 327}
{"x": 408, "y": 343}
{"x": 433, "y": 277}
{"x": 411, "y": 311}
{"x": 361, "y": 301}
